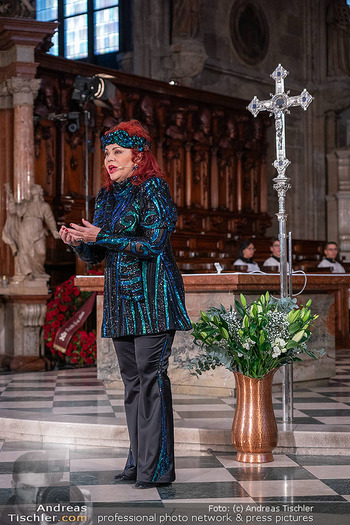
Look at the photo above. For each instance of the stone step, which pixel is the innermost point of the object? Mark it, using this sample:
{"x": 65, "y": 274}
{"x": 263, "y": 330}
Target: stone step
{"x": 66, "y": 431}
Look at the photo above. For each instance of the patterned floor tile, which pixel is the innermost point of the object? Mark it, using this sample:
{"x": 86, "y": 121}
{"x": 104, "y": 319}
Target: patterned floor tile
{"x": 203, "y": 475}
{"x": 287, "y": 487}
{"x": 341, "y": 486}
{"x": 190, "y": 491}
{"x": 258, "y": 473}
{"x": 329, "y": 471}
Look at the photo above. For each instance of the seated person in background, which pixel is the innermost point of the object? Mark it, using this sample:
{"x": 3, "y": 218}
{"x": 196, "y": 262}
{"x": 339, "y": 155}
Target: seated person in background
{"x": 331, "y": 252}
{"x": 245, "y": 257}
{"x": 274, "y": 259}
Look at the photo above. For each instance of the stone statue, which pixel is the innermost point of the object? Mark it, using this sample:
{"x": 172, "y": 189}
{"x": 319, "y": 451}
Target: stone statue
{"x": 25, "y": 231}
{"x": 185, "y": 19}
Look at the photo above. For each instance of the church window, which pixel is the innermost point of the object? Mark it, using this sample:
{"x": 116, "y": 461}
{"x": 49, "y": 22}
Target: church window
{"x": 88, "y": 28}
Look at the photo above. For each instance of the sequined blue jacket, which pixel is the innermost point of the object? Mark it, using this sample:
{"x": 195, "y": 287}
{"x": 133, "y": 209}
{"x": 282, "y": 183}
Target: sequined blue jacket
{"x": 143, "y": 291}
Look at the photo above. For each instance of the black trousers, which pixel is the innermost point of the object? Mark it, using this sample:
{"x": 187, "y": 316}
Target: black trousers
{"x": 143, "y": 362}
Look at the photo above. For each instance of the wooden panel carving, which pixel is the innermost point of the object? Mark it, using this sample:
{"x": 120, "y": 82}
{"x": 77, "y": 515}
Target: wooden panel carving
{"x": 211, "y": 148}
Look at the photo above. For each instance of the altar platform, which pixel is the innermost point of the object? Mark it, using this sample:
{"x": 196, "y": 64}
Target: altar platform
{"x": 329, "y": 295}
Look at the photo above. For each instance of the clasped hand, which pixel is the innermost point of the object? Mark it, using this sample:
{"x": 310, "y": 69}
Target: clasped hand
{"x": 77, "y": 234}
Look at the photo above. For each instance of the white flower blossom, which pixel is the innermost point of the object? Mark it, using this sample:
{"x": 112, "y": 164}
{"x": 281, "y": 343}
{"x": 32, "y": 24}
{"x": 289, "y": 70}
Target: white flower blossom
{"x": 280, "y": 342}
{"x": 276, "y": 351}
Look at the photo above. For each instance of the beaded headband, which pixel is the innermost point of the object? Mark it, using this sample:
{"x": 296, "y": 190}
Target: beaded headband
{"x": 125, "y": 140}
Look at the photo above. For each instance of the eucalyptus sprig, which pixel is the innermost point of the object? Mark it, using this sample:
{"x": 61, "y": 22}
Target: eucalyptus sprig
{"x": 252, "y": 339}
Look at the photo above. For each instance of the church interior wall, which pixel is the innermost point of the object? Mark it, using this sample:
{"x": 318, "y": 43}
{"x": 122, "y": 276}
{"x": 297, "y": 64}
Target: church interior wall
{"x": 296, "y": 35}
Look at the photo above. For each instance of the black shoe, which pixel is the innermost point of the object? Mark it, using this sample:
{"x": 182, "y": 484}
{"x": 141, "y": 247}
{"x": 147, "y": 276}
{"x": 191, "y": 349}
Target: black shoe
{"x": 144, "y": 485}
{"x": 120, "y": 478}
{"x": 147, "y": 485}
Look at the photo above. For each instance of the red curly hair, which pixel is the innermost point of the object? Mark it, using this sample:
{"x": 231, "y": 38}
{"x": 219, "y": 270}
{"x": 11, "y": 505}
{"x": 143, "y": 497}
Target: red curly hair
{"x": 147, "y": 167}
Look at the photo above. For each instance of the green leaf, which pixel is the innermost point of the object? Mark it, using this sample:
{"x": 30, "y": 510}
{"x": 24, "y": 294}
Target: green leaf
{"x": 294, "y": 327}
{"x": 246, "y": 321}
{"x": 243, "y": 300}
{"x": 205, "y": 317}
{"x": 239, "y": 308}
{"x": 223, "y": 322}
{"x": 291, "y": 344}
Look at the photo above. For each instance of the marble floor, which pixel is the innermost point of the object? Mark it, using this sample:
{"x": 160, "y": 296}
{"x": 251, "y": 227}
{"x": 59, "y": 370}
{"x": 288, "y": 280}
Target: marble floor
{"x": 77, "y": 395}
{"x": 210, "y": 485}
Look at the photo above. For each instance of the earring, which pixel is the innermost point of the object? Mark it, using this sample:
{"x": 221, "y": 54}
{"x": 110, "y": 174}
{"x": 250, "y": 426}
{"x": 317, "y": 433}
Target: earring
{"x": 135, "y": 167}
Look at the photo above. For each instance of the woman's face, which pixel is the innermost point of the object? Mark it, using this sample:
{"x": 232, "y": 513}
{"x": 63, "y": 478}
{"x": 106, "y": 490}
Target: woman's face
{"x": 118, "y": 162}
{"x": 248, "y": 252}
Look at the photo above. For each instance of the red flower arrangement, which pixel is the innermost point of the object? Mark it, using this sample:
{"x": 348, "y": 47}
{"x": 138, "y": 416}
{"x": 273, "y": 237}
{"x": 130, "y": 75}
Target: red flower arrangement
{"x": 67, "y": 300}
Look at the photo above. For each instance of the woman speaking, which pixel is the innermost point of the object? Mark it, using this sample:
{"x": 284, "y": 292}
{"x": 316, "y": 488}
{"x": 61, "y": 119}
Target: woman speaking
{"x": 143, "y": 293}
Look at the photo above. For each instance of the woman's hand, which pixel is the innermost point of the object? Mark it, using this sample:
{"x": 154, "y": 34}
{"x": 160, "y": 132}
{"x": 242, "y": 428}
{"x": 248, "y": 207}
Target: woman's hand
{"x": 86, "y": 233}
{"x": 67, "y": 237}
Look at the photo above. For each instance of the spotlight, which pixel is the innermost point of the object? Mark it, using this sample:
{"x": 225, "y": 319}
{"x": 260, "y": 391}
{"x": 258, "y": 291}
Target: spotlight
{"x": 86, "y": 88}
{"x": 73, "y": 127}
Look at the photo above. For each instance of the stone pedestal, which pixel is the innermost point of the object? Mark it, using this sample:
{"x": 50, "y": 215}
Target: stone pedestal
{"x": 188, "y": 60}
{"x": 22, "y": 315}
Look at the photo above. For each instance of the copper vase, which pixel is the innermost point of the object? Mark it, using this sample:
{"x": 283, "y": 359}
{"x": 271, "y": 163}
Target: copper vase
{"x": 254, "y": 428}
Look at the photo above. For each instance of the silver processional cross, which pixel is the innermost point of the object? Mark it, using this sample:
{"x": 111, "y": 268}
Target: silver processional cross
{"x": 278, "y": 106}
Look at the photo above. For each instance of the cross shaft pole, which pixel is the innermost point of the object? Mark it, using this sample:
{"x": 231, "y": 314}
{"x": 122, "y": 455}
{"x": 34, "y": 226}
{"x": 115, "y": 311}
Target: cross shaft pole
{"x": 278, "y": 106}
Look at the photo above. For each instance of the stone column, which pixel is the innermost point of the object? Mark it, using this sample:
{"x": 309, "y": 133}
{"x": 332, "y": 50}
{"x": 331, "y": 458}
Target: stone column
{"x": 19, "y": 38}
{"x": 338, "y": 200}
{"x": 23, "y": 90}
{"x": 331, "y": 198}
{"x": 22, "y": 304}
